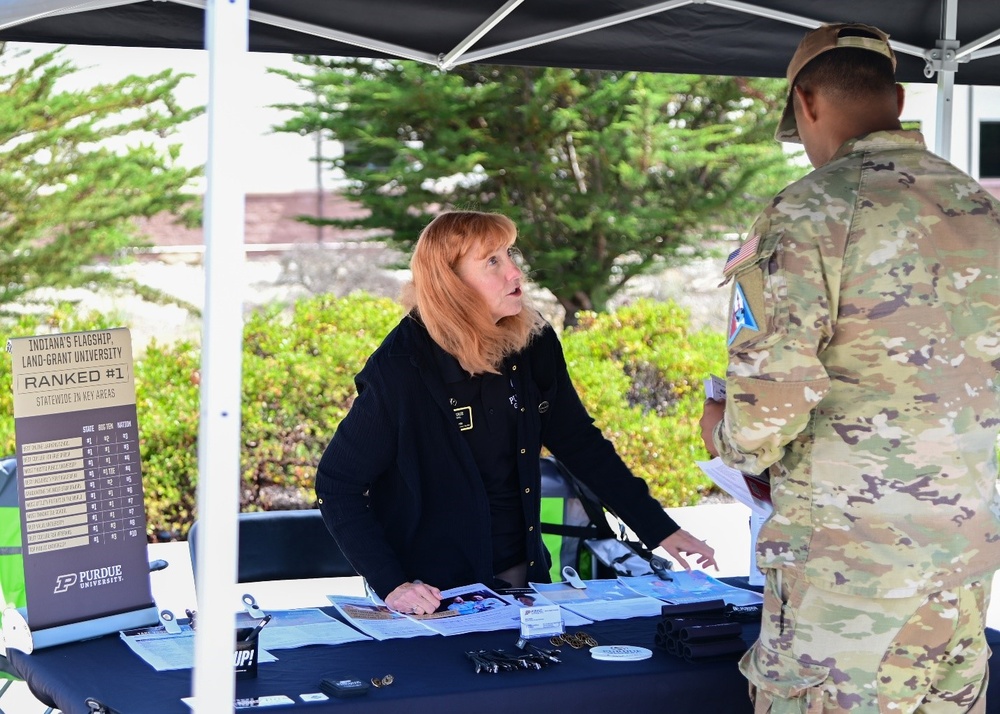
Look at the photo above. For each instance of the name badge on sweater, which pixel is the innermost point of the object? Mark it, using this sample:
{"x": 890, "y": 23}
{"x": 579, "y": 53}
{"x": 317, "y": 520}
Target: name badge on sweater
{"x": 463, "y": 416}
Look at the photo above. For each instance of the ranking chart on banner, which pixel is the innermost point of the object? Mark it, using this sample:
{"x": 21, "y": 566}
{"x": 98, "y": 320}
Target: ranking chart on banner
{"x": 80, "y": 476}
{"x": 85, "y": 489}
{"x": 114, "y": 483}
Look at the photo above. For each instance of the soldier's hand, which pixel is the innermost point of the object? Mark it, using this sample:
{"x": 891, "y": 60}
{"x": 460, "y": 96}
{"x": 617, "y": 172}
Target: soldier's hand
{"x": 712, "y": 413}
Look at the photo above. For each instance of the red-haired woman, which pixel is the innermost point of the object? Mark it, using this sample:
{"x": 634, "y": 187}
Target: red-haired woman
{"x": 432, "y": 480}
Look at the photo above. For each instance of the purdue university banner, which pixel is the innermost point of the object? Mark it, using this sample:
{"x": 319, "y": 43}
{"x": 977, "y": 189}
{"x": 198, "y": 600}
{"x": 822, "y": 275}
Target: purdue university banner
{"x": 80, "y": 480}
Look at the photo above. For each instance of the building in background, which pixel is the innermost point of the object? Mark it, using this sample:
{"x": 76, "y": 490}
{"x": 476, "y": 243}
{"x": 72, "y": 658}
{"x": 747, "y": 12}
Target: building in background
{"x": 975, "y": 139}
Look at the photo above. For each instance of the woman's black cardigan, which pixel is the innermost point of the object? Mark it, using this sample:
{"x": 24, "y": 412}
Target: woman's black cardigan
{"x": 398, "y": 484}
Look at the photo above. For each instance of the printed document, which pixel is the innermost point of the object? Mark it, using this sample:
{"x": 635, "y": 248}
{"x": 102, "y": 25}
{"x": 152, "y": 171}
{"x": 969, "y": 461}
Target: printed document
{"x": 376, "y": 619}
{"x": 164, "y": 651}
{"x": 600, "y": 600}
{"x": 735, "y": 484}
{"x": 687, "y": 586}
{"x": 297, "y": 628}
{"x": 469, "y": 608}
{"x": 529, "y": 597}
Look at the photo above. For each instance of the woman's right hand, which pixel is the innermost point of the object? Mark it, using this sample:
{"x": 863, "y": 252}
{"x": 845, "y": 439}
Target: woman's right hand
{"x": 414, "y": 599}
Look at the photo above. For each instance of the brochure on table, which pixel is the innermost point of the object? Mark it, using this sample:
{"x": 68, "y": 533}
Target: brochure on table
{"x": 642, "y": 596}
{"x": 376, "y": 619}
{"x": 476, "y": 608}
{"x": 469, "y": 608}
{"x": 600, "y": 599}
{"x": 287, "y": 629}
{"x": 687, "y": 586}
{"x": 529, "y": 597}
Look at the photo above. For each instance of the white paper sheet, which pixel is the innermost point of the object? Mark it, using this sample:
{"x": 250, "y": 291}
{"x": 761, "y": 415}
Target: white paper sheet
{"x": 297, "y": 628}
{"x": 164, "y": 651}
{"x": 600, "y": 600}
{"x": 529, "y": 597}
{"x": 732, "y": 482}
{"x": 688, "y": 586}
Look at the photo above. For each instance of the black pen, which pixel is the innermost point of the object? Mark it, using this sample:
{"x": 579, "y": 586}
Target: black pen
{"x": 257, "y": 628}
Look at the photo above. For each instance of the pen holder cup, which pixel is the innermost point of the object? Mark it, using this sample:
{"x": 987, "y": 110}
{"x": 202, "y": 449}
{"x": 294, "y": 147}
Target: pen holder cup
{"x": 246, "y": 653}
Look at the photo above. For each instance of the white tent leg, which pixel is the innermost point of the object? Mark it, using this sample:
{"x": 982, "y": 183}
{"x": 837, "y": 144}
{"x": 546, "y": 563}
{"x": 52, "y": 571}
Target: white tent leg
{"x": 945, "y": 110}
{"x": 946, "y": 63}
{"x": 227, "y": 33}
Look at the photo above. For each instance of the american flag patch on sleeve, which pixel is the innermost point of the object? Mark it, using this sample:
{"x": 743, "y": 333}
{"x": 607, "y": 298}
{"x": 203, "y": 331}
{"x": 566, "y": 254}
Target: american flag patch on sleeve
{"x": 742, "y": 254}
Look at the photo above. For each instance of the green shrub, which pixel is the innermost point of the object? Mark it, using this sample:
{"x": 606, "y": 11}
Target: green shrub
{"x": 167, "y": 405}
{"x": 640, "y": 372}
{"x": 298, "y": 383}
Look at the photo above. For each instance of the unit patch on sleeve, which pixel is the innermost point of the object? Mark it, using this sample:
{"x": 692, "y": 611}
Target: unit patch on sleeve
{"x": 742, "y": 315}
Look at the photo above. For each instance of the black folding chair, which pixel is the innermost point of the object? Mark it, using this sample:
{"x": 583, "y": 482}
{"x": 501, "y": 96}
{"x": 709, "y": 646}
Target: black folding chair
{"x": 283, "y": 545}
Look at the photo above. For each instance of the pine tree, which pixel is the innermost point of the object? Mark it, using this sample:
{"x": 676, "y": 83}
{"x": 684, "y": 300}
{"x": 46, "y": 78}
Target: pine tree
{"x": 607, "y": 174}
{"x": 76, "y": 169}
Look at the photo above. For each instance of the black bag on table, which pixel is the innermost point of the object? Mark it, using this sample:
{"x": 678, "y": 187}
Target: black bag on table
{"x": 576, "y": 531}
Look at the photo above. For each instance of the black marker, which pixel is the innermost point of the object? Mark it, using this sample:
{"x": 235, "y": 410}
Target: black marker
{"x": 257, "y": 628}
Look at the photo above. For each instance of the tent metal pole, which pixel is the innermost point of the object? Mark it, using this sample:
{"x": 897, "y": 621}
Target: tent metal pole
{"x": 970, "y": 132}
{"x": 971, "y": 50}
{"x": 22, "y": 11}
{"x": 749, "y": 9}
{"x": 226, "y": 38}
{"x": 555, "y": 36}
{"x": 327, "y": 33}
{"x": 807, "y": 22}
{"x": 943, "y": 60}
{"x": 449, "y": 60}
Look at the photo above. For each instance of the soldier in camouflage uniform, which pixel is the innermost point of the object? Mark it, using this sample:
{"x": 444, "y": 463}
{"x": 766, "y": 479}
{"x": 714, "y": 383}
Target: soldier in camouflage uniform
{"x": 864, "y": 350}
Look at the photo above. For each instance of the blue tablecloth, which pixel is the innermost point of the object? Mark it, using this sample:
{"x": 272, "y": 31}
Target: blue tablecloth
{"x": 431, "y": 675}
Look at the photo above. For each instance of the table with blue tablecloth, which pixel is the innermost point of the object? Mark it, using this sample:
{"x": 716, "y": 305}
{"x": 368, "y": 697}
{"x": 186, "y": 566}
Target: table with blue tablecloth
{"x": 430, "y": 674}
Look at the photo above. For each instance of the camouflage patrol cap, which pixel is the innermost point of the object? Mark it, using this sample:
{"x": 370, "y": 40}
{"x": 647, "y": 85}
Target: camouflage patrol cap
{"x": 815, "y": 43}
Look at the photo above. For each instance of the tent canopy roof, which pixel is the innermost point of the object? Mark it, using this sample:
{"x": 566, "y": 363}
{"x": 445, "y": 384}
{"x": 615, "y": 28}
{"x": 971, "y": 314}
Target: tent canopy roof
{"x": 725, "y": 37}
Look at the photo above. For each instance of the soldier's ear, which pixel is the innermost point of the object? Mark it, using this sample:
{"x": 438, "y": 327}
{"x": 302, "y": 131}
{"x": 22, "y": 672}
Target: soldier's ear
{"x": 900, "y": 99}
{"x": 805, "y": 104}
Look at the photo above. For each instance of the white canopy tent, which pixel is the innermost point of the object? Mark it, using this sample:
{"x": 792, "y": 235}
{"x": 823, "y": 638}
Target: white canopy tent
{"x": 551, "y": 32}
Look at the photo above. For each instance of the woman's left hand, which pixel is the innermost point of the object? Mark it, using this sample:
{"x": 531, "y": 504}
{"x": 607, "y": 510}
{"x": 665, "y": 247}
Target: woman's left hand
{"x": 683, "y": 542}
